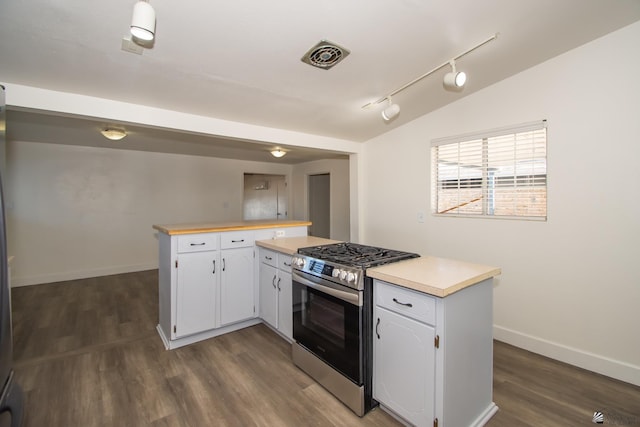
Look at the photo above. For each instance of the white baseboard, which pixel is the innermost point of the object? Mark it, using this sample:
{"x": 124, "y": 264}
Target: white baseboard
{"x": 583, "y": 359}
{"x": 75, "y": 275}
{"x": 201, "y": 336}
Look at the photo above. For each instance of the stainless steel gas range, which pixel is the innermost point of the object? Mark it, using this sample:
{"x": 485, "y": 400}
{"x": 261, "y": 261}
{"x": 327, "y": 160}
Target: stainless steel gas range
{"x": 332, "y": 317}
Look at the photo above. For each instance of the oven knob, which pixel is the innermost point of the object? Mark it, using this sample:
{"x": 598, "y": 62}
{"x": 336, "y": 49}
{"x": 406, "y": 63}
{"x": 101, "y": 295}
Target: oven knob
{"x": 343, "y": 275}
{"x": 336, "y": 272}
{"x": 299, "y": 262}
{"x": 351, "y": 277}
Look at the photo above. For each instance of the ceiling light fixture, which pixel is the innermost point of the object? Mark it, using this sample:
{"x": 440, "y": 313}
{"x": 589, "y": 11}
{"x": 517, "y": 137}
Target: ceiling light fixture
{"x": 454, "y": 80}
{"x": 143, "y": 22}
{"x": 391, "y": 111}
{"x": 113, "y": 134}
{"x": 278, "y": 153}
{"x": 459, "y": 79}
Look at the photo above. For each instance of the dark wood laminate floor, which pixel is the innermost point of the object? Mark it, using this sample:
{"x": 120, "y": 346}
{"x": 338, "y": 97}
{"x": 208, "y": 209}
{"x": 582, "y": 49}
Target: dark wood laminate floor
{"x": 87, "y": 354}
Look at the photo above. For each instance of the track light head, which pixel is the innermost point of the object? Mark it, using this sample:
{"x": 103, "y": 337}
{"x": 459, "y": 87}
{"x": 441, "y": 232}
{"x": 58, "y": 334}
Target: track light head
{"x": 143, "y": 22}
{"x": 454, "y": 80}
{"x": 391, "y": 111}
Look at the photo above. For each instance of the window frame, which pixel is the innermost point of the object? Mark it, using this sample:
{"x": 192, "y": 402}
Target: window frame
{"x": 482, "y": 181}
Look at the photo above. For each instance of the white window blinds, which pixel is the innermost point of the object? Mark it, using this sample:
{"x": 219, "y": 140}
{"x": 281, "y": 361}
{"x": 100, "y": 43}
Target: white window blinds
{"x": 499, "y": 173}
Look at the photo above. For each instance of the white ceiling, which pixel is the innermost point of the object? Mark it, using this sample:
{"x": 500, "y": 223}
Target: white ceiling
{"x": 240, "y": 60}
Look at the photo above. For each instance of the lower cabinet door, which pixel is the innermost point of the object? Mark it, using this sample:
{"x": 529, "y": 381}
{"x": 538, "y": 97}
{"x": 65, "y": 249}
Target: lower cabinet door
{"x": 236, "y": 285}
{"x": 404, "y": 366}
{"x": 195, "y": 293}
{"x": 268, "y": 294}
{"x": 285, "y": 304}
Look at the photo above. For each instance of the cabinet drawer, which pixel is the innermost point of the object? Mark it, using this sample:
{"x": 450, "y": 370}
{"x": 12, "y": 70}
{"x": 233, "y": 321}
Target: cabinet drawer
{"x": 236, "y": 239}
{"x": 412, "y": 304}
{"x": 269, "y": 257}
{"x": 284, "y": 262}
{"x": 197, "y": 242}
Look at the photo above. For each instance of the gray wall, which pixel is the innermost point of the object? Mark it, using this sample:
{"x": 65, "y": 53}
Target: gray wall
{"x": 81, "y": 212}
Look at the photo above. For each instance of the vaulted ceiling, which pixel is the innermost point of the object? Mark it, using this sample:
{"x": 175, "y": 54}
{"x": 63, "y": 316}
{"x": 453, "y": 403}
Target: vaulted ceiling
{"x": 241, "y": 60}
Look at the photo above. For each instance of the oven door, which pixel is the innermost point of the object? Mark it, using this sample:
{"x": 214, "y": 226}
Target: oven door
{"x": 327, "y": 321}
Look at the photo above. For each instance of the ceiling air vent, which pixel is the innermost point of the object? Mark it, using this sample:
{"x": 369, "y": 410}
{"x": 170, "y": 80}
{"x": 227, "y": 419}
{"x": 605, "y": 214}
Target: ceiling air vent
{"x": 325, "y": 55}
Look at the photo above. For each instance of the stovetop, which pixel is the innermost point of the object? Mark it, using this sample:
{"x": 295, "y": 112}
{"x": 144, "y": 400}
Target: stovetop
{"x": 344, "y": 263}
{"x": 355, "y": 255}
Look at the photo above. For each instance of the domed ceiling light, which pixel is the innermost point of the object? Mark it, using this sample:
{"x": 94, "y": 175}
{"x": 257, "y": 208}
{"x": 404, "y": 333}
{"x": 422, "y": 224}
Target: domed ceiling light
{"x": 143, "y": 22}
{"x": 113, "y": 133}
{"x": 278, "y": 153}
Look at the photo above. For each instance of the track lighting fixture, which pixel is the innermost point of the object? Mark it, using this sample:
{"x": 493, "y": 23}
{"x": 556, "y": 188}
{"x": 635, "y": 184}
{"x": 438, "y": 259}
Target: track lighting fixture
{"x": 113, "y": 133}
{"x": 278, "y": 153}
{"x": 391, "y": 111}
{"x": 143, "y": 22}
{"x": 454, "y": 80}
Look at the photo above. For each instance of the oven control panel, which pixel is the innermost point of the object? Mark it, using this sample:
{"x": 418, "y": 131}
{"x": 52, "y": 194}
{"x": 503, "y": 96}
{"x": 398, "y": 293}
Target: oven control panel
{"x": 347, "y": 276}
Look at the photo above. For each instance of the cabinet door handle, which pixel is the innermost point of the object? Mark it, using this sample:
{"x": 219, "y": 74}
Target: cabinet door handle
{"x": 224, "y": 265}
{"x": 377, "y": 325}
{"x": 279, "y": 278}
{"x": 237, "y": 241}
{"x": 214, "y": 267}
{"x": 406, "y": 304}
{"x": 268, "y": 258}
{"x": 273, "y": 282}
{"x": 198, "y": 244}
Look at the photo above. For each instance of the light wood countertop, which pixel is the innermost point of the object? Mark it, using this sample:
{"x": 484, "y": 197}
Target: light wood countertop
{"x": 434, "y": 276}
{"x": 290, "y": 245}
{"x": 213, "y": 227}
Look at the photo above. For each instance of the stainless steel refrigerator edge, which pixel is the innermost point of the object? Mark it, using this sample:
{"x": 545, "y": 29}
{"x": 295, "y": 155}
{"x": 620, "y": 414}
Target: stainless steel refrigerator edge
{"x": 11, "y": 397}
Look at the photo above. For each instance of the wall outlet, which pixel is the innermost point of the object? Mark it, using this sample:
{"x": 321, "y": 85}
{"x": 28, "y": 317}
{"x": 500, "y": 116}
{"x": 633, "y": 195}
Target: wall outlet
{"x": 420, "y": 217}
{"x": 280, "y": 233}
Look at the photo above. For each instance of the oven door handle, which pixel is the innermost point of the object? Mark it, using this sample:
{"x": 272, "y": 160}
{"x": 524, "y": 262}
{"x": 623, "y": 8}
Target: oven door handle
{"x": 350, "y": 297}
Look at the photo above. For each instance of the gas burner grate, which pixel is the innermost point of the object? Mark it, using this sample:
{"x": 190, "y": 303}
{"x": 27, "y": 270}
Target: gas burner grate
{"x": 356, "y": 255}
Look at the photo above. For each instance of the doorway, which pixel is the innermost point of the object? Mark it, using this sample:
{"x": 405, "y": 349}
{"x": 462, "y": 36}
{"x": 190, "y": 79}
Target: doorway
{"x": 320, "y": 205}
{"x": 265, "y": 197}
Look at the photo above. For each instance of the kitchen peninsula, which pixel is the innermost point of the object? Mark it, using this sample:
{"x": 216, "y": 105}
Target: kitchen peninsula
{"x": 432, "y": 317}
{"x": 208, "y": 282}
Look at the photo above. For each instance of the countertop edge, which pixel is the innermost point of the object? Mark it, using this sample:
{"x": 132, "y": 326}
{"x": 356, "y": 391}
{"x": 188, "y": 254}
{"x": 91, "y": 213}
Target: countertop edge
{"x": 432, "y": 290}
{"x": 292, "y": 248}
{"x": 179, "y": 229}
{"x": 435, "y": 276}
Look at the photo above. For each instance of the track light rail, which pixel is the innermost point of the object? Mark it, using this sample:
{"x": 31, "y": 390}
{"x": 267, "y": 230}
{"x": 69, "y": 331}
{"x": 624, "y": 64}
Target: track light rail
{"x": 428, "y": 73}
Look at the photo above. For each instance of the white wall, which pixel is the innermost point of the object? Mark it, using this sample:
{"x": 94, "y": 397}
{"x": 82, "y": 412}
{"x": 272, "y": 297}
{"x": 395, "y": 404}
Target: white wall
{"x": 340, "y": 201}
{"x": 570, "y": 287}
{"x": 78, "y": 212}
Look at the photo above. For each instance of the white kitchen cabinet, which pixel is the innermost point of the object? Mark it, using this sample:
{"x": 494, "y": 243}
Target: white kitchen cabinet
{"x": 209, "y": 276}
{"x": 404, "y": 363}
{"x": 188, "y": 301}
{"x": 285, "y": 300}
{"x": 433, "y": 357}
{"x": 268, "y": 293}
{"x": 196, "y": 289}
{"x": 206, "y": 285}
{"x": 276, "y": 291}
{"x": 237, "y": 295}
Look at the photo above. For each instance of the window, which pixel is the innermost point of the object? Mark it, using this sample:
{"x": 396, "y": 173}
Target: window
{"x": 499, "y": 173}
